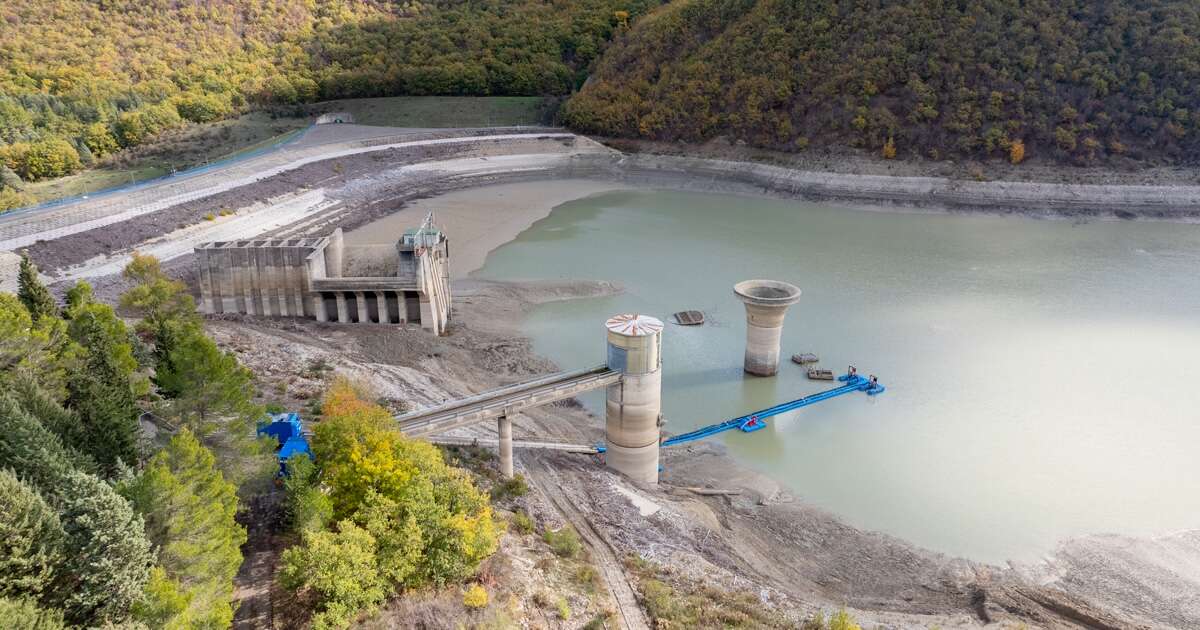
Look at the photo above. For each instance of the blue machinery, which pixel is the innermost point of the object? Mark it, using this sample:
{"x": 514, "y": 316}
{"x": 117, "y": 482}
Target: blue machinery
{"x": 757, "y": 420}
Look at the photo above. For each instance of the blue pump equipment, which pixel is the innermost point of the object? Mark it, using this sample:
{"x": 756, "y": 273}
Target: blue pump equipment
{"x": 757, "y": 420}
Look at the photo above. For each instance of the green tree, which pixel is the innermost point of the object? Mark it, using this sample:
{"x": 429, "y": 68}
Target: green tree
{"x": 65, "y": 424}
{"x": 108, "y": 555}
{"x": 24, "y": 614}
{"x": 51, "y": 157}
{"x": 33, "y": 539}
{"x": 78, "y": 296}
{"x": 308, "y": 508}
{"x": 339, "y": 569}
{"x": 210, "y": 387}
{"x": 33, "y": 294}
{"x": 189, "y": 510}
{"x": 99, "y": 388}
{"x": 28, "y": 347}
{"x": 31, "y": 451}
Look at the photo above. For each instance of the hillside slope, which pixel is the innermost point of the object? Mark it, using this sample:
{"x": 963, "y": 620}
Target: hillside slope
{"x": 80, "y": 80}
{"x": 1072, "y": 80}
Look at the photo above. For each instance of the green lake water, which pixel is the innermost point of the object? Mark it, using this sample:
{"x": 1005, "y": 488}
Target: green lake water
{"x": 1043, "y": 377}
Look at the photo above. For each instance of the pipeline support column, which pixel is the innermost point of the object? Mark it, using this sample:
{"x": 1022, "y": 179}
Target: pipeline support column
{"x": 633, "y": 409}
{"x": 766, "y": 304}
{"x": 504, "y": 428}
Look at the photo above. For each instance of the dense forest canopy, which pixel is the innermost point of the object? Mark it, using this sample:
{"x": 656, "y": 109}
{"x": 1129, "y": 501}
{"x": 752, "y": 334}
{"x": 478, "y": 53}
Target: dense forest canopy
{"x": 1073, "y": 80}
{"x": 80, "y": 80}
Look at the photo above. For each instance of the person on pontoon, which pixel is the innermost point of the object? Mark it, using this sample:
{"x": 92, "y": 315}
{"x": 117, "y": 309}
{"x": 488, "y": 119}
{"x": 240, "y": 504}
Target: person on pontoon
{"x": 874, "y": 381}
{"x": 852, "y": 371}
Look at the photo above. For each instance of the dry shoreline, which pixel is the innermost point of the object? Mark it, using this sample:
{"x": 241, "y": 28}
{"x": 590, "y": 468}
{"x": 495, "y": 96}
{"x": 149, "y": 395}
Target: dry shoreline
{"x": 824, "y": 559}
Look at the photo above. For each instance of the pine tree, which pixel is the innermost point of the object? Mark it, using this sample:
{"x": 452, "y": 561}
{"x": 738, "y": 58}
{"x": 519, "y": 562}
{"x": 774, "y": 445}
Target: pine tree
{"x": 99, "y": 388}
{"x": 209, "y": 385}
{"x": 29, "y": 450}
{"x": 32, "y": 536}
{"x": 24, "y": 614}
{"x": 33, "y": 294}
{"x": 189, "y": 509}
{"x": 108, "y": 555}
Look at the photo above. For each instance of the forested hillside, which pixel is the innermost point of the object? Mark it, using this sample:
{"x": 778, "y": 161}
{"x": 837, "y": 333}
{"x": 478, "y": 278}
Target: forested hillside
{"x": 80, "y": 80}
{"x": 1072, "y": 80}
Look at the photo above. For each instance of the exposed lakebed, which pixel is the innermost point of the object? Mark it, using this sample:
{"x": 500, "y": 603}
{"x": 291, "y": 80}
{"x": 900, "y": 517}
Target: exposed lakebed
{"x": 1041, "y": 374}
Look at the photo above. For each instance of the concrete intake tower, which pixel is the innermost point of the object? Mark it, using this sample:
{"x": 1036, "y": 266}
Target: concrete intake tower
{"x": 766, "y": 303}
{"x": 633, "y": 408}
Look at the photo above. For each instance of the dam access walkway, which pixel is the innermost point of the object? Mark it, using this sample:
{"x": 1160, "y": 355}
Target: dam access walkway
{"x": 505, "y": 402}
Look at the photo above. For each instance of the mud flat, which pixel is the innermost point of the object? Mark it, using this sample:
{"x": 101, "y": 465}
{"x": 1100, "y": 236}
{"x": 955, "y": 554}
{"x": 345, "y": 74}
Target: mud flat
{"x": 479, "y": 219}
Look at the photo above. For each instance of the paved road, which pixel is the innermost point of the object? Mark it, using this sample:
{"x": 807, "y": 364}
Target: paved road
{"x": 22, "y": 228}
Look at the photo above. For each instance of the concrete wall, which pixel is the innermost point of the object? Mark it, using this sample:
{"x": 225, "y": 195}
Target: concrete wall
{"x": 303, "y": 277}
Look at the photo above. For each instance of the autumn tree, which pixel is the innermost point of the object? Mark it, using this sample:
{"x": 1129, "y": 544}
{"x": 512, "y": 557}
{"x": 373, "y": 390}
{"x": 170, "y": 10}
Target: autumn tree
{"x": 1016, "y": 152}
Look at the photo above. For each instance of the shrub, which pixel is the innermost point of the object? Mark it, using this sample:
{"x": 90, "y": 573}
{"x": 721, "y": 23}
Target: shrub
{"x": 339, "y": 568}
{"x": 889, "y": 149}
{"x": 201, "y": 107}
{"x": 563, "y": 609}
{"x": 522, "y": 522}
{"x": 475, "y": 597}
{"x": 1016, "y": 152}
{"x": 586, "y": 575}
{"x": 564, "y": 542}
{"x": 52, "y": 157}
{"x": 514, "y": 487}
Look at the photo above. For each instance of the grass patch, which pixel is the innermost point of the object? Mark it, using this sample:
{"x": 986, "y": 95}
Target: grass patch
{"x": 687, "y": 604}
{"x": 444, "y": 111}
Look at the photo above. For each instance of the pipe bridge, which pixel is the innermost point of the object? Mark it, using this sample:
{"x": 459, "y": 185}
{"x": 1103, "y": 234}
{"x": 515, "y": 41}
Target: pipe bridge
{"x": 506, "y": 401}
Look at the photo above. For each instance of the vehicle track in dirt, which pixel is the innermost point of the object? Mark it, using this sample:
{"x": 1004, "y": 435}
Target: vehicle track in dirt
{"x": 629, "y": 611}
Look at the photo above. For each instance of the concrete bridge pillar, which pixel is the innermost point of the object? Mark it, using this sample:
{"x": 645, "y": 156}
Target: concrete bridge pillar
{"x": 360, "y": 299}
{"x": 318, "y": 307}
{"x": 343, "y": 310}
{"x": 633, "y": 409}
{"x": 766, "y": 304}
{"x": 381, "y": 308}
{"x": 504, "y": 428}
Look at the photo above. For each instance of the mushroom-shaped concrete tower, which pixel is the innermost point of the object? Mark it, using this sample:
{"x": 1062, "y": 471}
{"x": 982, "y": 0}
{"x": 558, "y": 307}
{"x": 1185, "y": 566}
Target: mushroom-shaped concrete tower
{"x": 634, "y": 407}
{"x": 766, "y": 303}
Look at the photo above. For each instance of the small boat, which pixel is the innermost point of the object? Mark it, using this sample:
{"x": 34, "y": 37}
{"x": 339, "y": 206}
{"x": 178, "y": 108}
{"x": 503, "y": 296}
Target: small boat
{"x": 817, "y": 374}
{"x": 804, "y": 358}
{"x": 689, "y": 318}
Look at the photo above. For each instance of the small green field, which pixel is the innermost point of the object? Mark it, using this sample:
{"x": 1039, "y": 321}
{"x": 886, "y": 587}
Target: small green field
{"x": 443, "y": 111}
{"x": 181, "y": 149}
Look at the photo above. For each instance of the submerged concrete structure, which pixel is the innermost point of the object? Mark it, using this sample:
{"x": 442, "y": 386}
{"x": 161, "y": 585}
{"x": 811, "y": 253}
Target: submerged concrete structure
{"x": 633, "y": 405}
{"x": 303, "y": 277}
{"x": 766, "y": 304}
